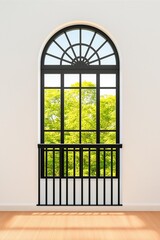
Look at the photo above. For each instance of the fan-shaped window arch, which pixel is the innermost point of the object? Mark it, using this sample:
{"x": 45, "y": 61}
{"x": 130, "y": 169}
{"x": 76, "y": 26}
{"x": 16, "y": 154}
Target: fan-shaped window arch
{"x": 80, "y": 46}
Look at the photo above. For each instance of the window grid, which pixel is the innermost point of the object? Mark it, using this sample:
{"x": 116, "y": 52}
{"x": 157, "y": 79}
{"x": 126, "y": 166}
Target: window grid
{"x": 80, "y": 65}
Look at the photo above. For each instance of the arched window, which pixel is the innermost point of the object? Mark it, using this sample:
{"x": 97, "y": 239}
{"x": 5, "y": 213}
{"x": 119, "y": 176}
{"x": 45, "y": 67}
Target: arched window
{"x": 80, "y": 70}
{"x": 80, "y": 101}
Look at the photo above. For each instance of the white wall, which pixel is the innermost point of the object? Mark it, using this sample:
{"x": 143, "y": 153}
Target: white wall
{"x": 134, "y": 26}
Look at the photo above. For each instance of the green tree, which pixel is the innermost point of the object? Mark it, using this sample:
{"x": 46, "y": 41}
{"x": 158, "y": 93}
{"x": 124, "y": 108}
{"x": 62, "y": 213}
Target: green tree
{"x": 71, "y": 122}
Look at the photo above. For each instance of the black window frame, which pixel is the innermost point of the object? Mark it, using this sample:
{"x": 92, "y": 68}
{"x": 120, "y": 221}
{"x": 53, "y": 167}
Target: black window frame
{"x": 81, "y": 69}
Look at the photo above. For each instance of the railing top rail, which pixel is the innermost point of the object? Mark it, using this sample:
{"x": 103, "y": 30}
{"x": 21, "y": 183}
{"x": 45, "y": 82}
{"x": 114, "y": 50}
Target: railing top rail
{"x": 80, "y": 145}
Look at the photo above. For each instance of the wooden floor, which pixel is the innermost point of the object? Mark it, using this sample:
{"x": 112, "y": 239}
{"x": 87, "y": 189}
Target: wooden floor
{"x": 79, "y": 225}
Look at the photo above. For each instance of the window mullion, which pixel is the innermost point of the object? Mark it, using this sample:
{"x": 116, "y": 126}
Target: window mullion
{"x": 62, "y": 126}
{"x": 42, "y": 121}
{"x": 80, "y": 44}
{"x": 80, "y": 108}
{"x": 98, "y": 109}
{"x": 62, "y": 108}
{"x": 117, "y": 129}
{"x": 117, "y": 108}
{"x": 80, "y": 124}
{"x": 98, "y": 124}
{"x": 42, "y": 108}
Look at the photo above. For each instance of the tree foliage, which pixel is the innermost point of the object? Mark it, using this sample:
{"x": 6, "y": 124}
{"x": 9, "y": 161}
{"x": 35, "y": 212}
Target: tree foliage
{"x": 72, "y": 122}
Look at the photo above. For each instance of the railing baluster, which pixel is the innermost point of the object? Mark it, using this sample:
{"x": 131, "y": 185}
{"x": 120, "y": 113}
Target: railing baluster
{"x": 66, "y": 176}
{"x": 53, "y": 176}
{"x": 46, "y": 177}
{"x": 89, "y": 175}
{"x": 97, "y": 173}
{"x": 60, "y": 176}
{"x": 81, "y": 168}
{"x": 111, "y": 176}
{"x": 118, "y": 179}
{"x": 79, "y": 163}
{"x": 74, "y": 187}
{"x": 104, "y": 180}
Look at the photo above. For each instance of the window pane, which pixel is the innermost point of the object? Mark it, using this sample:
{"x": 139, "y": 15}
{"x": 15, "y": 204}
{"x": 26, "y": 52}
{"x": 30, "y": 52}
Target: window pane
{"x": 52, "y": 80}
{"x": 87, "y": 36}
{"x": 71, "y": 137}
{"x": 62, "y": 41}
{"x": 70, "y": 53}
{"x": 71, "y": 80}
{"x": 73, "y": 36}
{"x": 88, "y": 137}
{"x": 109, "y": 61}
{"x": 88, "y": 117}
{"x": 98, "y": 41}
{"x": 88, "y": 80}
{"x": 93, "y": 58}
{"x": 52, "y": 137}
{"x": 66, "y": 63}
{"x": 52, "y": 109}
{"x": 105, "y": 50}
{"x": 108, "y": 137}
{"x": 76, "y": 50}
{"x": 95, "y": 63}
{"x": 71, "y": 109}
{"x": 55, "y": 50}
{"x": 84, "y": 50}
{"x": 90, "y": 52}
{"x": 107, "y": 109}
{"x": 65, "y": 57}
{"x": 51, "y": 60}
{"x": 107, "y": 80}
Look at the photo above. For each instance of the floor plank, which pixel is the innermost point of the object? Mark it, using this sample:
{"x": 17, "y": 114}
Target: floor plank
{"x": 79, "y": 225}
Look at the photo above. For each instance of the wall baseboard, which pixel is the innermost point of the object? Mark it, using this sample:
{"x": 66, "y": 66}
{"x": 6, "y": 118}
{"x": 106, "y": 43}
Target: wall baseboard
{"x": 155, "y": 207}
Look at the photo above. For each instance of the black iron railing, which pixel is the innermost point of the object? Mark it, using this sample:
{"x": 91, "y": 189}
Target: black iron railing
{"x": 79, "y": 174}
